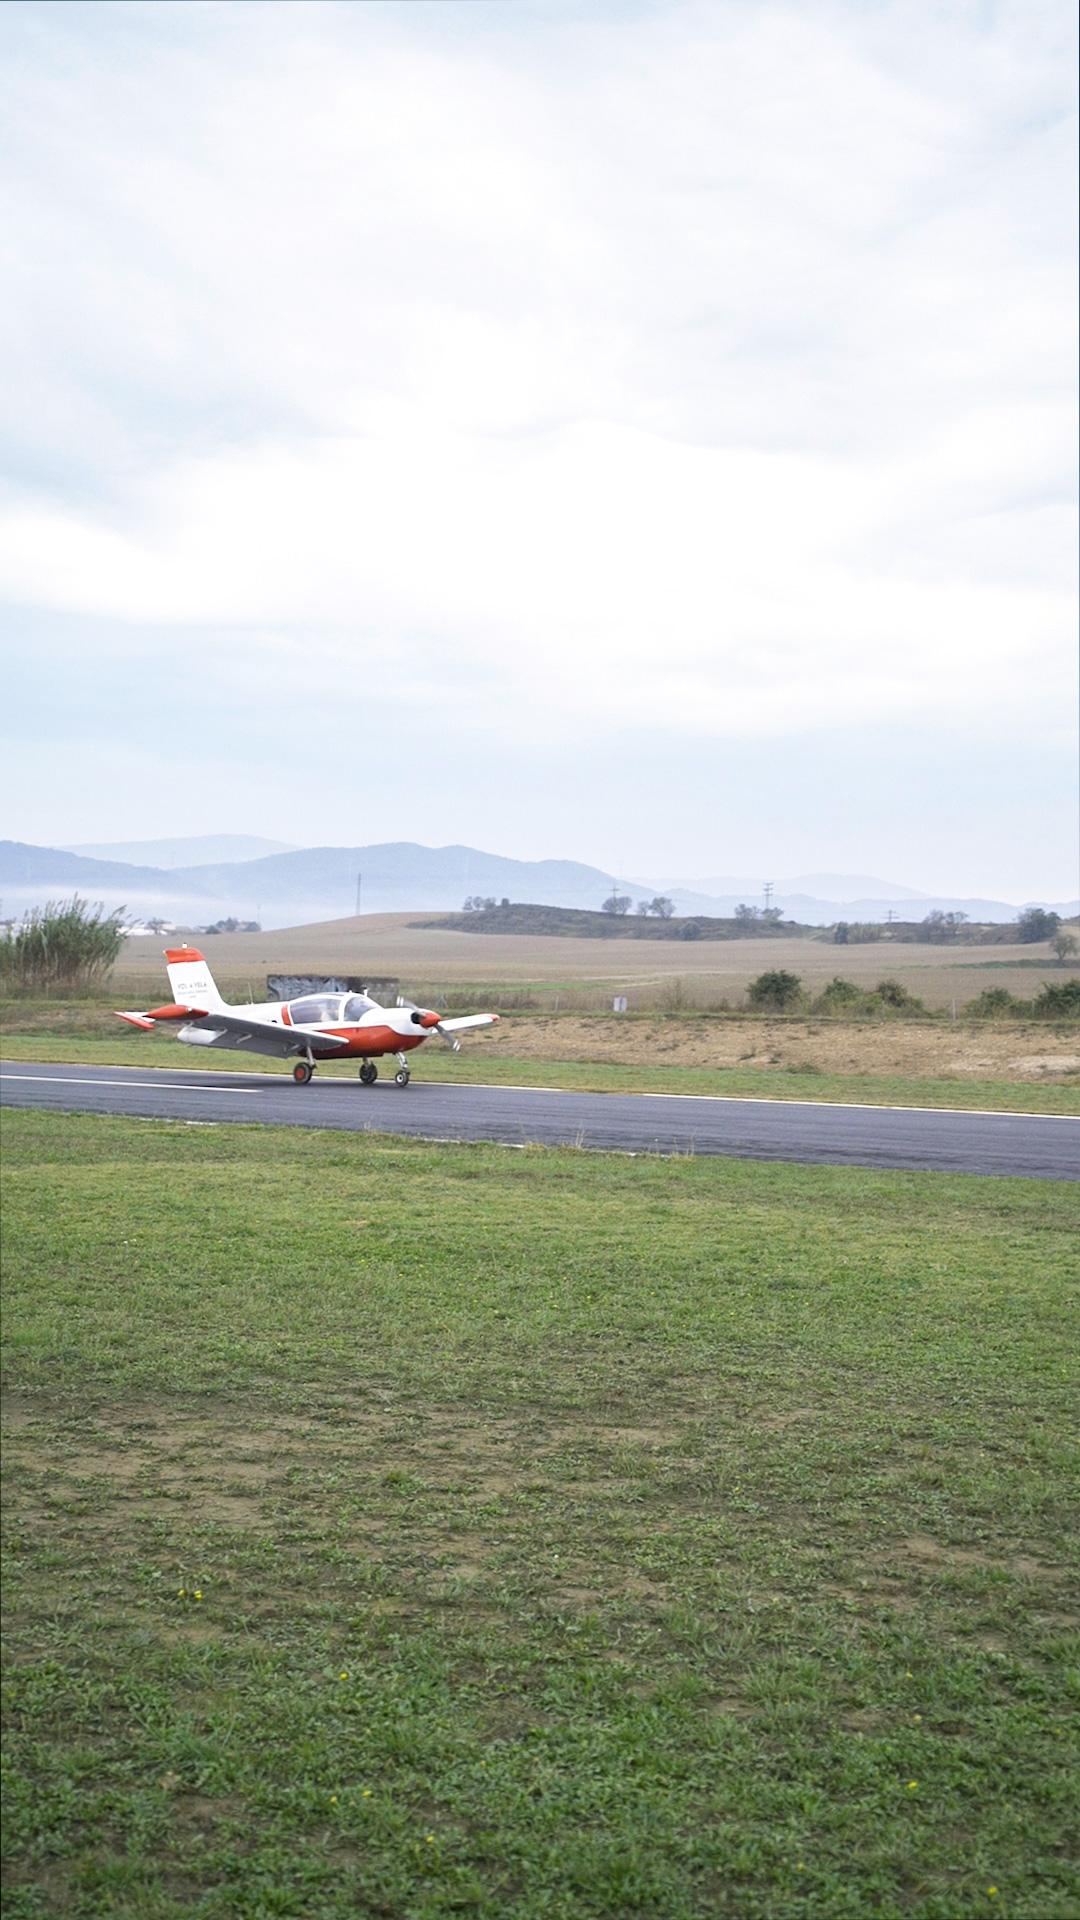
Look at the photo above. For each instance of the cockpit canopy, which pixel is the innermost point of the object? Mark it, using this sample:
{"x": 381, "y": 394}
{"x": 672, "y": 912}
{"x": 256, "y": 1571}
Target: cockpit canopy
{"x": 329, "y": 1010}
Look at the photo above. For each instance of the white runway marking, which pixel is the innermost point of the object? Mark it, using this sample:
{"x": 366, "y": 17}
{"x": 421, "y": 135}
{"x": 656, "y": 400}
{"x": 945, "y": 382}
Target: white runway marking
{"x": 763, "y": 1100}
{"x": 607, "y": 1093}
{"x": 167, "y": 1086}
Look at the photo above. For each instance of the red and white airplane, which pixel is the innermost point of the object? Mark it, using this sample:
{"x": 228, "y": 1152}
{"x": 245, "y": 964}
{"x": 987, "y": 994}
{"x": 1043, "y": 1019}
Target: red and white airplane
{"x": 321, "y": 1026}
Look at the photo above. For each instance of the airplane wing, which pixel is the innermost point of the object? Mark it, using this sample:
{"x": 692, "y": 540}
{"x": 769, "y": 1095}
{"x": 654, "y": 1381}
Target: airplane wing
{"x": 234, "y": 1031}
{"x": 468, "y": 1020}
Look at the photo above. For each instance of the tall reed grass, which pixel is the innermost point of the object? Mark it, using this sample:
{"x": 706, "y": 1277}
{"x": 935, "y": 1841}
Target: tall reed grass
{"x": 67, "y": 946}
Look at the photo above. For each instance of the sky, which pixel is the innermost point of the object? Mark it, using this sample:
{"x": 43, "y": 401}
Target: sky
{"x": 643, "y": 434}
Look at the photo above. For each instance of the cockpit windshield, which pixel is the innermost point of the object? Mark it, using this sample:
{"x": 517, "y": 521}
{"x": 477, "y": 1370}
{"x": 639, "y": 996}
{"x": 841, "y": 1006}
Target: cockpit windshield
{"x": 315, "y": 1013}
{"x": 356, "y": 1006}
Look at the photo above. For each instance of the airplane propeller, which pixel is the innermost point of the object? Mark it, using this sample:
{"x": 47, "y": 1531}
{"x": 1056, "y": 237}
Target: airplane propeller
{"x": 419, "y": 1019}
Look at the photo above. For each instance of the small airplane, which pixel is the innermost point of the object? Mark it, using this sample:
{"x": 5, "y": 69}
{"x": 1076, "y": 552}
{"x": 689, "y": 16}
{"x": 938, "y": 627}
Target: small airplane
{"x": 319, "y": 1026}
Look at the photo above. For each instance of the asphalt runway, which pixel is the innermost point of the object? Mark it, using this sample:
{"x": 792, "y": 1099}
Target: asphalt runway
{"x": 946, "y": 1141}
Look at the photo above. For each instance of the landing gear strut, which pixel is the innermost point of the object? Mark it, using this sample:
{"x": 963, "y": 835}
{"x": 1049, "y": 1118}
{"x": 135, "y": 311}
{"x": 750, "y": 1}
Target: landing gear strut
{"x": 369, "y": 1073}
{"x": 401, "y": 1077}
{"x": 302, "y": 1072}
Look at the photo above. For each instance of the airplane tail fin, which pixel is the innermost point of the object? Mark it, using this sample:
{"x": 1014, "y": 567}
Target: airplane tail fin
{"x": 190, "y": 978}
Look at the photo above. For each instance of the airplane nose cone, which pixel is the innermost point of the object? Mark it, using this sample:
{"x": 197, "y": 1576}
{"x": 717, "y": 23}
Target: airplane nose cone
{"x": 428, "y": 1020}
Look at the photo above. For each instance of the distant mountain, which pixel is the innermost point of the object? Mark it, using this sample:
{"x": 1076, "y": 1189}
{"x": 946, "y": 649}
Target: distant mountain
{"x": 836, "y": 887}
{"x": 320, "y": 883}
{"x": 287, "y": 889}
{"x": 185, "y": 853}
{"x": 849, "y": 886}
{"x": 400, "y": 875}
{"x": 21, "y": 864}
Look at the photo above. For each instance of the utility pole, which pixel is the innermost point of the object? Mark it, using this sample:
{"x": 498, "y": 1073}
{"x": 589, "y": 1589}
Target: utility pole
{"x": 359, "y": 892}
{"x": 768, "y": 894}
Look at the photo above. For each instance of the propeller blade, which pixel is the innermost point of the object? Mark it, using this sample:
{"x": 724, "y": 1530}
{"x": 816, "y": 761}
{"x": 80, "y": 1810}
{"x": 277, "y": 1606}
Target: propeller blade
{"x": 451, "y": 1039}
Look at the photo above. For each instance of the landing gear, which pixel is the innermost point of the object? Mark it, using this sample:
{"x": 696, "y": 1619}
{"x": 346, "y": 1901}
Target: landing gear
{"x": 302, "y": 1072}
{"x": 401, "y": 1077}
{"x": 369, "y": 1073}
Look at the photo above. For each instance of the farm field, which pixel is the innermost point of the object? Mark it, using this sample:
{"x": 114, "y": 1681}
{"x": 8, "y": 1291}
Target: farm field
{"x": 430, "y": 1530}
{"x": 586, "y": 972}
{"x": 1015, "y": 1065}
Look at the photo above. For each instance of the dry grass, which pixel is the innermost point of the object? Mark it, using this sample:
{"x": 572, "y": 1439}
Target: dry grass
{"x": 1010, "y": 1050}
{"x": 588, "y": 972}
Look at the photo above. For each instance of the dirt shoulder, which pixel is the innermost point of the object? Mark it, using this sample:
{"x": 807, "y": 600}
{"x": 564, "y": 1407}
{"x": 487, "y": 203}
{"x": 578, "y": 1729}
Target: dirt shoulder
{"x": 1024, "y": 1051}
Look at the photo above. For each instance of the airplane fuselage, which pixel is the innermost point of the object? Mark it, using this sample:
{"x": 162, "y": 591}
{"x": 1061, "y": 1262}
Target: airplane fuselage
{"x": 368, "y": 1030}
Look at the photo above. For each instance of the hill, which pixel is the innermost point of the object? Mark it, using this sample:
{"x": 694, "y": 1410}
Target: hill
{"x": 190, "y": 852}
{"x": 572, "y": 922}
{"x": 320, "y": 883}
{"x": 313, "y": 883}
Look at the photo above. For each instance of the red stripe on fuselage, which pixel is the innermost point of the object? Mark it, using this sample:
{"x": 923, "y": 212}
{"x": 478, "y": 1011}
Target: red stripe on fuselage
{"x": 370, "y": 1041}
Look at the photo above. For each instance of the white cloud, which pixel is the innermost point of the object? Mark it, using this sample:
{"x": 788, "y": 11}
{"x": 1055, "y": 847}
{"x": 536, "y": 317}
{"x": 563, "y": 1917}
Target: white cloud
{"x": 704, "y": 369}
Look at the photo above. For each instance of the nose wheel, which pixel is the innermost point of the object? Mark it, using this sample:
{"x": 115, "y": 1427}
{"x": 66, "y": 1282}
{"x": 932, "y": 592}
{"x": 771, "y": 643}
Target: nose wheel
{"x": 302, "y": 1072}
{"x": 401, "y": 1077}
{"x": 369, "y": 1073}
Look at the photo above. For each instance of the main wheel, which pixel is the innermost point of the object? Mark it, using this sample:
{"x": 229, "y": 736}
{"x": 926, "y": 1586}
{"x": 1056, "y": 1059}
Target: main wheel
{"x": 401, "y": 1077}
{"x": 302, "y": 1072}
{"x": 369, "y": 1073}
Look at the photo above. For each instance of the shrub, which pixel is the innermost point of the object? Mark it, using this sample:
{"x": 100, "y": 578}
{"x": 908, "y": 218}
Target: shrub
{"x": 1058, "y": 1000}
{"x": 67, "y": 946}
{"x": 840, "y": 996}
{"x": 892, "y": 994}
{"x": 995, "y": 1003}
{"x": 776, "y": 991}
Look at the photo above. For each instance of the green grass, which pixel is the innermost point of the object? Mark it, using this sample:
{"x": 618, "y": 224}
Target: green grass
{"x": 478, "y": 1064}
{"x": 419, "y": 1531}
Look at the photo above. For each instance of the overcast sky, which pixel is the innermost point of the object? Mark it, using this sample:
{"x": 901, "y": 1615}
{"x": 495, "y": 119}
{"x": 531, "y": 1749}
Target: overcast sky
{"x": 641, "y": 433}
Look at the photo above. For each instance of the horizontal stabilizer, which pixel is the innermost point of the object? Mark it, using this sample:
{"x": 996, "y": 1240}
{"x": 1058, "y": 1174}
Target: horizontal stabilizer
{"x": 150, "y": 1018}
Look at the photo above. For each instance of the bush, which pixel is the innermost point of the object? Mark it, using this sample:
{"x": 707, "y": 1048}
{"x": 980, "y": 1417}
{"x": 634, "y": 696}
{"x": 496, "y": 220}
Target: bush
{"x": 840, "y": 996}
{"x": 1058, "y": 1000}
{"x": 65, "y": 947}
{"x": 995, "y": 1004}
{"x": 893, "y": 995}
{"x": 776, "y": 991}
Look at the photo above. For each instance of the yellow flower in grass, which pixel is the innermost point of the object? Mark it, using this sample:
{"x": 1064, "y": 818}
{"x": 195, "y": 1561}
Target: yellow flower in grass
{"x": 912, "y": 1786}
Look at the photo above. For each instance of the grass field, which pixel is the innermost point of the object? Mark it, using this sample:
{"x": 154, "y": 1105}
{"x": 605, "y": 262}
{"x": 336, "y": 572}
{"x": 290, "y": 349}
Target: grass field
{"x": 585, "y": 973}
{"x": 418, "y": 1531}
